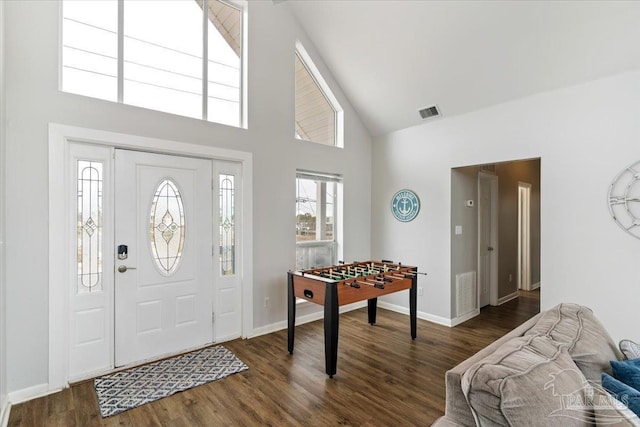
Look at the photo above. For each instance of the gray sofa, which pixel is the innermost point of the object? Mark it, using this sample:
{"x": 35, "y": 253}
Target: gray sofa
{"x": 545, "y": 372}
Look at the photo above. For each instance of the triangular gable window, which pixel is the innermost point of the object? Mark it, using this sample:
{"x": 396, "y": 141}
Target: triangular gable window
{"x": 318, "y": 116}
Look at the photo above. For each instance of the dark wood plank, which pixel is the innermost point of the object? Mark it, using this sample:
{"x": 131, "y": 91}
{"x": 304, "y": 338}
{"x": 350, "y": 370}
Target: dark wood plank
{"x": 384, "y": 378}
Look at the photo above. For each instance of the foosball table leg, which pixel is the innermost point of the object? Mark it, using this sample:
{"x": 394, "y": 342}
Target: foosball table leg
{"x": 291, "y": 313}
{"x": 331, "y": 329}
{"x": 413, "y": 305}
{"x": 372, "y": 305}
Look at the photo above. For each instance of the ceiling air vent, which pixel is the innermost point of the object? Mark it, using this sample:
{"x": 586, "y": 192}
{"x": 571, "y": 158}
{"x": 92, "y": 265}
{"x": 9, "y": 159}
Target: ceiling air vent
{"x": 429, "y": 112}
{"x": 488, "y": 168}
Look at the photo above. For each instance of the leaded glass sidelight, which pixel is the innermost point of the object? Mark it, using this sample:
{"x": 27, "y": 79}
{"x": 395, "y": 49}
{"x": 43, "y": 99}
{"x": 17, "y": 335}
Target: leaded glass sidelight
{"x": 166, "y": 227}
{"x": 89, "y": 226}
{"x": 227, "y": 225}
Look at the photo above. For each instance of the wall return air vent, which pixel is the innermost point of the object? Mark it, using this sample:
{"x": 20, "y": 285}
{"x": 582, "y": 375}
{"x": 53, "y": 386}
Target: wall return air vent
{"x": 429, "y": 112}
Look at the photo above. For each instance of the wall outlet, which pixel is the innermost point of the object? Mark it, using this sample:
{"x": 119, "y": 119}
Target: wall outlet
{"x": 266, "y": 302}
{"x": 420, "y": 291}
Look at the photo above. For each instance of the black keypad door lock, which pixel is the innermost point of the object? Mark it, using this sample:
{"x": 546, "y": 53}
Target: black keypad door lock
{"x": 123, "y": 251}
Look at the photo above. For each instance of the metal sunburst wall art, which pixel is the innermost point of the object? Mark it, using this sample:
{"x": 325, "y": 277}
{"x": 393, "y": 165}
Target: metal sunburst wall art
{"x": 624, "y": 199}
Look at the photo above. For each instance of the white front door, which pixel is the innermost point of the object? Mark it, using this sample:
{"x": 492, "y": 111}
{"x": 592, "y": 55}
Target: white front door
{"x": 163, "y": 261}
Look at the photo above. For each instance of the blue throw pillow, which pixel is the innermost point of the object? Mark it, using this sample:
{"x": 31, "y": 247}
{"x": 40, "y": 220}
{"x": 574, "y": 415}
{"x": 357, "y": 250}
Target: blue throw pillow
{"x": 627, "y": 371}
{"x": 624, "y": 393}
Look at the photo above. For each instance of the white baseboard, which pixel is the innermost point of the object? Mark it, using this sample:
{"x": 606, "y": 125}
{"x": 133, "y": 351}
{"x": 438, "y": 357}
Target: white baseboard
{"x": 434, "y": 319}
{"x": 301, "y": 320}
{"x": 29, "y": 393}
{"x": 420, "y": 314}
{"x": 4, "y": 415}
{"x": 267, "y": 329}
{"x": 461, "y": 319}
{"x": 535, "y": 286}
{"x": 278, "y": 326}
{"x": 507, "y": 298}
{"x": 393, "y": 307}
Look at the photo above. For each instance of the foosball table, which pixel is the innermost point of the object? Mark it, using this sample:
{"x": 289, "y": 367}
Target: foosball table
{"x": 343, "y": 284}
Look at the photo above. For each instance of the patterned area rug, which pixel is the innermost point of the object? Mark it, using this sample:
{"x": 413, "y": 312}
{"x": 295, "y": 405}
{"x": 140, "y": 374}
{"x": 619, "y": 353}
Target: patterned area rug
{"x": 128, "y": 389}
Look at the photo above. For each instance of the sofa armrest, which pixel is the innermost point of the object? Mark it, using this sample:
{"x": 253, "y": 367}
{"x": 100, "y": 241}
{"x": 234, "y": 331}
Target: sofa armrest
{"x": 457, "y": 407}
{"x": 445, "y": 421}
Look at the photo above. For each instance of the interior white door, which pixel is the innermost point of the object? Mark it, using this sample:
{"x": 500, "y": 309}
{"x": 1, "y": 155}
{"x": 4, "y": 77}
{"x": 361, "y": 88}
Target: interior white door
{"x": 487, "y": 237}
{"x": 228, "y": 264}
{"x": 164, "y": 263}
{"x": 524, "y": 236}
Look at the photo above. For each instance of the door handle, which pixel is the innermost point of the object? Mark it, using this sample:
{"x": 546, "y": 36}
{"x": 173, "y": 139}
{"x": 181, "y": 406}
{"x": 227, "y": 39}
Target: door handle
{"x": 123, "y": 268}
{"x": 490, "y": 248}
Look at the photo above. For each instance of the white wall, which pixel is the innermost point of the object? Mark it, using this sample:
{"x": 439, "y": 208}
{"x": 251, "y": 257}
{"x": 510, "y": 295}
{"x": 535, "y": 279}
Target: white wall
{"x": 464, "y": 247}
{"x": 584, "y": 136}
{"x": 3, "y": 346}
{"x": 33, "y": 101}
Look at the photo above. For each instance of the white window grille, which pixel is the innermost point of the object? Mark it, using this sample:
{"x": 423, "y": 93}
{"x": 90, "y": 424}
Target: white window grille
{"x": 317, "y": 202}
{"x": 178, "y": 56}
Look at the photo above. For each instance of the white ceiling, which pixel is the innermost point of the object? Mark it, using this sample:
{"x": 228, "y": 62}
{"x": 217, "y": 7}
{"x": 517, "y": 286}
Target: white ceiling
{"x": 392, "y": 58}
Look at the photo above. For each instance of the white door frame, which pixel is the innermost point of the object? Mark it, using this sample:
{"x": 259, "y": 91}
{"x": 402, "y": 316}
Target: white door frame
{"x": 59, "y": 211}
{"x": 524, "y": 236}
{"x": 493, "y": 285}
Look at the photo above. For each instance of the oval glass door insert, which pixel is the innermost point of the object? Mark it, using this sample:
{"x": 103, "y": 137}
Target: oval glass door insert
{"x": 167, "y": 228}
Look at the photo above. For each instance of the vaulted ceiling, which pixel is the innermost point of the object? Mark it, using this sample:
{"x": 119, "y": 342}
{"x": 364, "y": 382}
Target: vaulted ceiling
{"x": 392, "y": 58}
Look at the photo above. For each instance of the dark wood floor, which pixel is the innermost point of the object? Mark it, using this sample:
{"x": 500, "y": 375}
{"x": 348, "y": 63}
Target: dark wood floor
{"x": 384, "y": 378}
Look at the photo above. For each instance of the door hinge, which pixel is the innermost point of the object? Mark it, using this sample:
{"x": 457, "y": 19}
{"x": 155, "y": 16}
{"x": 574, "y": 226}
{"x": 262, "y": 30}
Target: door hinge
{"x": 213, "y": 317}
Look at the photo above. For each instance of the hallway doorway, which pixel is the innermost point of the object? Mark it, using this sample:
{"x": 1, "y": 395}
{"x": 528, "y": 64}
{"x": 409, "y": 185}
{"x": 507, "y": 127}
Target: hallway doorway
{"x": 516, "y": 256}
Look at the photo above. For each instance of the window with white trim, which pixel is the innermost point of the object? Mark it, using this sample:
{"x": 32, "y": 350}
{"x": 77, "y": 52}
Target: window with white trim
{"x": 178, "y": 56}
{"x": 317, "y": 203}
{"x": 318, "y": 115}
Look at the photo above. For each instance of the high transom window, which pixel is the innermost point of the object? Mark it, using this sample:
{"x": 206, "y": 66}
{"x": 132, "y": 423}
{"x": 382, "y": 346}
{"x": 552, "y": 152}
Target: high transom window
{"x": 318, "y": 116}
{"x": 178, "y": 56}
{"x": 317, "y": 202}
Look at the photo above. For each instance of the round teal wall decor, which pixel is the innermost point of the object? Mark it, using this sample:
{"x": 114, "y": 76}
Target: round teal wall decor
{"x": 405, "y": 205}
